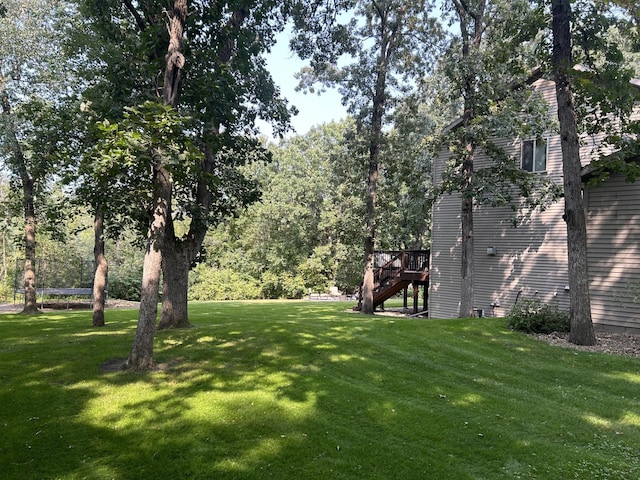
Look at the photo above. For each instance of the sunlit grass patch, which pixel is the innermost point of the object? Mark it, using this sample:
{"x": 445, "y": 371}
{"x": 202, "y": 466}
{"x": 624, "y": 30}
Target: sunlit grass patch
{"x": 294, "y": 390}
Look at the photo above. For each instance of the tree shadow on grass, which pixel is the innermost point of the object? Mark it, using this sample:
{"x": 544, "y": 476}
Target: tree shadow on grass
{"x": 266, "y": 391}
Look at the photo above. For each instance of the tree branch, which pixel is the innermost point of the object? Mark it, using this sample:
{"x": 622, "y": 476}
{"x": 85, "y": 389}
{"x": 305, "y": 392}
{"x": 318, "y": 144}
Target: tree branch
{"x": 136, "y": 16}
{"x": 235, "y": 22}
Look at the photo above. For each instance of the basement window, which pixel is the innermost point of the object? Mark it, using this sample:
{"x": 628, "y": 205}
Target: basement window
{"x": 533, "y": 155}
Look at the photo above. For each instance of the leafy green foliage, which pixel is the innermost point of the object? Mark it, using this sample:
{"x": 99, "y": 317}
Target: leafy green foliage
{"x": 126, "y": 150}
{"x": 307, "y": 222}
{"x": 125, "y": 284}
{"x": 605, "y": 40}
{"x": 282, "y": 285}
{"x": 210, "y": 283}
{"x": 530, "y": 315}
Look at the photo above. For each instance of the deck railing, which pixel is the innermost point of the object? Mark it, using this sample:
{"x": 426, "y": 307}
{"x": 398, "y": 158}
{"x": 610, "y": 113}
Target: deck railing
{"x": 389, "y": 264}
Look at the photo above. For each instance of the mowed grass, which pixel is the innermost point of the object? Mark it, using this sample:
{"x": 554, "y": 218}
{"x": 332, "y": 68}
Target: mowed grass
{"x": 303, "y": 390}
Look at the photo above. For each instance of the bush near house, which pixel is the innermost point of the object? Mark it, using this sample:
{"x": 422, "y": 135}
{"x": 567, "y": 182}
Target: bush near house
{"x": 530, "y": 315}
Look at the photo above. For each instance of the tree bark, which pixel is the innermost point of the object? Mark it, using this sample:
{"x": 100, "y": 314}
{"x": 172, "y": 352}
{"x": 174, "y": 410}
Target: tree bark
{"x": 19, "y": 164}
{"x": 179, "y": 253}
{"x": 368, "y": 280}
{"x": 175, "y": 285}
{"x": 141, "y": 355}
{"x": 174, "y": 57}
{"x": 390, "y": 33}
{"x": 466, "y": 260}
{"x": 101, "y": 273}
{"x": 472, "y": 25}
{"x": 582, "y": 332}
{"x": 29, "y": 281}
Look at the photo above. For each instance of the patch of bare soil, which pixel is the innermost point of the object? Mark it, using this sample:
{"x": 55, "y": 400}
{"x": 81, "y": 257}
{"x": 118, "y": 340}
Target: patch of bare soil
{"x": 117, "y": 364}
{"x": 113, "y": 365}
{"x": 612, "y": 343}
{"x": 64, "y": 305}
{"x": 116, "y": 303}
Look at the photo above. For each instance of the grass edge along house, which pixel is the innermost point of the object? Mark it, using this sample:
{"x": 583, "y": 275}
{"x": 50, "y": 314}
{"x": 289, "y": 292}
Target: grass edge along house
{"x": 530, "y": 260}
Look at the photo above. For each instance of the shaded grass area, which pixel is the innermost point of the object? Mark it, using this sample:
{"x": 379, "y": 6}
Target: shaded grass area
{"x": 302, "y": 390}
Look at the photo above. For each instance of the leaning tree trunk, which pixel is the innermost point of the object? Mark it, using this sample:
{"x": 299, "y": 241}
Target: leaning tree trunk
{"x": 582, "y": 332}
{"x": 101, "y": 272}
{"x": 141, "y": 355}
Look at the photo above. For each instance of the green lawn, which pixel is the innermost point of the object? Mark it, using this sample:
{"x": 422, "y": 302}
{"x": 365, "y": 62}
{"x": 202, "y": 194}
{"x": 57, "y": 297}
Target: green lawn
{"x": 307, "y": 390}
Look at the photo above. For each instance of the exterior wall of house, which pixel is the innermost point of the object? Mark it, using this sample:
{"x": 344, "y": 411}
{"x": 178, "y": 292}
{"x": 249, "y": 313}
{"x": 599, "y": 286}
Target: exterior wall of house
{"x": 530, "y": 259}
{"x": 444, "y": 266}
{"x": 614, "y": 254}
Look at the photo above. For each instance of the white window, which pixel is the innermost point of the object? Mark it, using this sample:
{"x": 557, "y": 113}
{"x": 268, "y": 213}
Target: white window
{"x": 533, "y": 156}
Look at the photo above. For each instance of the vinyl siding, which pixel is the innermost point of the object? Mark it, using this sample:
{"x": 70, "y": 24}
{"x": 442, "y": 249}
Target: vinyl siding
{"x": 614, "y": 254}
{"x": 530, "y": 259}
{"x": 444, "y": 266}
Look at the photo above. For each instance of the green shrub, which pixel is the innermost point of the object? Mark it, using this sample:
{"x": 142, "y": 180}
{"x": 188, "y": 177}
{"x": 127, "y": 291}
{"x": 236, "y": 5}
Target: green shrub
{"x": 6, "y": 293}
{"x": 210, "y": 283}
{"x": 293, "y": 286}
{"x": 125, "y": 287}
{"x": 532, "y": 316}
{"x": 283, "y": 285}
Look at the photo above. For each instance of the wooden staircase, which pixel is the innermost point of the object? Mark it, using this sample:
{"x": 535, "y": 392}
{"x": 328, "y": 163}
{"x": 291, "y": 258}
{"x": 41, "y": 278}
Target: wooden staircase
{"x": 396, "y": 271}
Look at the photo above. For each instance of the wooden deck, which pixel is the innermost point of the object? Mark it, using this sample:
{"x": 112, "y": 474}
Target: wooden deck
{"x": 397, "y": 271}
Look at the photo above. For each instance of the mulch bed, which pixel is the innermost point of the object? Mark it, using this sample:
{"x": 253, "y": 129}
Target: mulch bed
{"x": 624, "y": 344}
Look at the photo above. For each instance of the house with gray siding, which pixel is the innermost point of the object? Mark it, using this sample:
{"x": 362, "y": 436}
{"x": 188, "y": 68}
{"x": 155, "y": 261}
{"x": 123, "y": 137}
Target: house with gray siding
{"x": 530, "y": 260}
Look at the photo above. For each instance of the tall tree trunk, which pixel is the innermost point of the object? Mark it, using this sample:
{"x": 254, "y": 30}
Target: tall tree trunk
{"x": 101, "y": 273}
{"x": 466, "y": 261}
{"x": 389, "y": 36}
{"x": 29, "y": 281}
{"x": 179, "y": 254}
{"x": 582, "y": 332}
{"x": 141, "y": 355}
{"x": 4, "y": 253}
{"x": 368, "y": 281}
{"x": 19, "y": 165}
{"x": 472, "y": 25}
